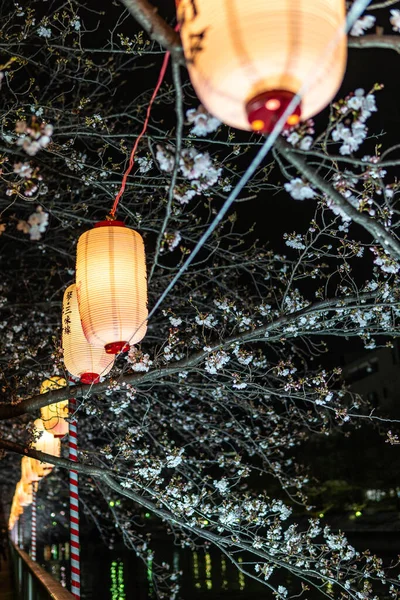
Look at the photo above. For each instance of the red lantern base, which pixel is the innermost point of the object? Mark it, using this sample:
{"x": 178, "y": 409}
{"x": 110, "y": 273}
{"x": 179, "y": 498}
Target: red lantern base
{"x": 116, "y": 347}
{"x": 265, "y": 110}
{"x": 89, "y": 378}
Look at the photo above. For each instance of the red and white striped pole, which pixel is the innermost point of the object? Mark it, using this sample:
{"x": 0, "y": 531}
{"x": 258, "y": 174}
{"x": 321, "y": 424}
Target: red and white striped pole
{"x": 33, "y": 521}
{"x": 74, "y": 505}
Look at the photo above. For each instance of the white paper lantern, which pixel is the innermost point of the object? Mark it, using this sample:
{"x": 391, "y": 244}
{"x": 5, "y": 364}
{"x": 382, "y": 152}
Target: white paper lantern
{"x": 45, "y": 442}
{"x": 111, "y": 286}
{"x": 81, "y": 359}
{"x": 248, "y": 58}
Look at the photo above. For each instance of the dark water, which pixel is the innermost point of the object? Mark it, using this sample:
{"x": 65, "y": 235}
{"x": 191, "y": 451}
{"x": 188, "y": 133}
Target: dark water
{"x": 199, "y": 574}
{"x": 122, "y": 576}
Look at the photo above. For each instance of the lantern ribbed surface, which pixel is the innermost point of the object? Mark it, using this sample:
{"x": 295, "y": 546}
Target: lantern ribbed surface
{"x": 237, "y": 50}
{"x": 81, "y": 359}
{"x": 111, "y": 286}
{"x": 28, "y": 473}
{"x": 46, "y": 442}
{"x": 41, "y": 469}
{"x": 54, "y": 415}
{"x": 24, "y": 494}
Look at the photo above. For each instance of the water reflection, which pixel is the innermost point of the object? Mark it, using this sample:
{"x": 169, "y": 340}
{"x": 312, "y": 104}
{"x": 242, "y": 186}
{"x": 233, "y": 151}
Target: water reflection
{"x": 122, "y": 576}
{"x": 117, "y": 589}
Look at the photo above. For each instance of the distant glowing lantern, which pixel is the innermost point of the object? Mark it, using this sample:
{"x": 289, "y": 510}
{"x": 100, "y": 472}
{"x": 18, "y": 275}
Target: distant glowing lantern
{"x": 81, "y": 359}
{"x": 28, "y": 473}
{"x": 16, "y": 508}
{"x": 54, "y": 415}
{"x": 111, "y": 286}
{"x": 15, "y": 512}
{"x": 41, "y": 469}
{"x": 247, "y": 59}
{"x": 45, "y": 442}
{"x": 24, "y": 494}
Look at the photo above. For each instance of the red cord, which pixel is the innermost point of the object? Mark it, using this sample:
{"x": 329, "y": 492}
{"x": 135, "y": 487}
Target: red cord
{"x": 132, "y": 157}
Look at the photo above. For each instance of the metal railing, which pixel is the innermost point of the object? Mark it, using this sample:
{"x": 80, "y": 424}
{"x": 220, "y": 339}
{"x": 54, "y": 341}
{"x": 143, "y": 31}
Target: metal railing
{"x": 32, "y": 582}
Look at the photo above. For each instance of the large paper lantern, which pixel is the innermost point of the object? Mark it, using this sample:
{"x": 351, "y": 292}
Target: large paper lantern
{"x": 81, "y": 359}
{"x": 54, "y": 415}
{"x": 248, "y": 58}
{"x": 111, "y": 286}
{"x": 45, "y": 442}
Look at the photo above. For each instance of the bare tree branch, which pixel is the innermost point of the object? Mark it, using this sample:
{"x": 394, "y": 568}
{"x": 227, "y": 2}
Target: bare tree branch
{"x": 31, "y": 405}
{"x": 385, "y": 42}
{"x": 158, "y": 29}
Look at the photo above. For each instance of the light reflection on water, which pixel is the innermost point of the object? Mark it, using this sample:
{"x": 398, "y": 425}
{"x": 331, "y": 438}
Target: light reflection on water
{"x": 111, "y": 576}
{"x": 117, "y": 589}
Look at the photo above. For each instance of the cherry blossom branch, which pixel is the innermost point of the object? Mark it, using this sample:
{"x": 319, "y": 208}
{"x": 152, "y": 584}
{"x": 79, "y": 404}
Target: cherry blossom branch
{"x": 375, "y": 229}
{"x": 107, "y": 478}
{"x": 158, "y": 29}
{"x": 224, "y": 542}
{"x": 33, "y": 404}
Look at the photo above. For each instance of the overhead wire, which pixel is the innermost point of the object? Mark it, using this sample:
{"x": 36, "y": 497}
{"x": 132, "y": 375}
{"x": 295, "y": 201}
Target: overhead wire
{"x": 354, "y": 13}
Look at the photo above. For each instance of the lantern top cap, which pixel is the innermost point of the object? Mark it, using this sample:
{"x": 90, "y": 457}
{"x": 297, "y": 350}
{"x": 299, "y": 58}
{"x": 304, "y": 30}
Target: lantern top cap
{"x": 110, "y": 224}
{"x": 38, "y": 424}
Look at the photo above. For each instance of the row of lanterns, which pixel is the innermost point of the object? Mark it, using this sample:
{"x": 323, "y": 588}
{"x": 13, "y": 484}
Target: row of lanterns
{"x": 103, "y": 314}
{"x": 247, "y": 60}
{"x": 33, "y": 470}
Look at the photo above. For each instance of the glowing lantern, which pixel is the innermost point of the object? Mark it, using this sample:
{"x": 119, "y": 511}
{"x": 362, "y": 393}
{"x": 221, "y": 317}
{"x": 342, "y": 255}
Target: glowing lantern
{"x": 45, "y": 442}
{"x": 16, "y": 508}
{"x": 248, "y": 58}
{"x": 23, "y": 494}
{"x": 41, "y": 469}
{"x": 54, "y": 415}
{"x": 15, "y": 512}
{"x": 81, "y": 359}
{"x": 111, "y": 286}
{"x": 28, "y": 474}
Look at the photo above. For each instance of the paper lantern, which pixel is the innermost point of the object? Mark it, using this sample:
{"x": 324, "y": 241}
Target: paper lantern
{"x": 45, "y": 442}
{"x": 41, "y": 469}
{"x": 28, "y": 474}
{"x": 248, "y": 58}
{"x": 54, "y": 415}
{"x": 15, "y": 512}
{"x": 16, "y": 508}
{"x": 81, "y": 359}
{"x": 111, "y": 286}
{"x": 23, "y": 494}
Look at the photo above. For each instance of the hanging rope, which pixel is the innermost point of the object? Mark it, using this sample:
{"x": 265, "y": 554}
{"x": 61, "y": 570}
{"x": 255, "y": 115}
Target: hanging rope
{"x": 141, "y": 134}
{"x": 33, "y": 521}
{"x": 74, "y": 505}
